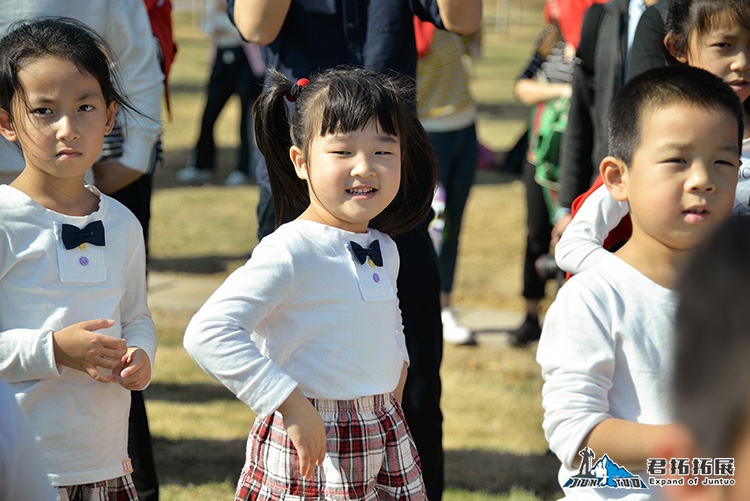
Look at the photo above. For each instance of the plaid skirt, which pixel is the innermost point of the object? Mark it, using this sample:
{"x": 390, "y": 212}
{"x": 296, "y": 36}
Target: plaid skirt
{"x": 370, "y": 456}
{"x": 116, "y": 489}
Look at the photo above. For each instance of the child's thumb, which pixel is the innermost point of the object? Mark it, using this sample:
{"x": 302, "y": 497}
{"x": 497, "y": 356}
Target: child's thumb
{"x": 100, "y": 323}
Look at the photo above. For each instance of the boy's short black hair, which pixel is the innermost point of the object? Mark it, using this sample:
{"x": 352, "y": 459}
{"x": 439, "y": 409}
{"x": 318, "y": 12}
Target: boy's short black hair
{"x": 712, "y": 375}
{"x": 660, "y": 87}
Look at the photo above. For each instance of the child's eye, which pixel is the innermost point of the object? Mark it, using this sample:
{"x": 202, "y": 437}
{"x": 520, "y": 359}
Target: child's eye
{"x": 86, "y": 107}
{"x": 41, "y": 111}
{"x": 383, "y": 152}
{"x": 675, "y": 160}
{"x": 728, "y": 163}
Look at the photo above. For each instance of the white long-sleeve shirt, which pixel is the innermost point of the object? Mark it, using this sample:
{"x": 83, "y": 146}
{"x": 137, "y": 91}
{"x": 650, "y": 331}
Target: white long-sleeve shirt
{"x": 606, "y": 351}
{"x": 302, "y": 312}
{"x": 81, "y": 424}
{"x": 124, "y": 25}
{"x": 22, "y": 474}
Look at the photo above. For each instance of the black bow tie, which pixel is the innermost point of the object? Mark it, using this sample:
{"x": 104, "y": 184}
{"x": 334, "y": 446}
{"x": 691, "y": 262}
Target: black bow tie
{"x": 373, "y": 252}
{"x": 73, "y": 236}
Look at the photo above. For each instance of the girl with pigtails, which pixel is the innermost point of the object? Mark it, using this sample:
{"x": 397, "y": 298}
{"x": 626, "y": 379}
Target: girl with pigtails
{"x": 308, "y": 332}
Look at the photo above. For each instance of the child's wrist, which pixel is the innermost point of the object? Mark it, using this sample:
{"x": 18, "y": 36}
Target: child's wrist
{"x": 560, "y": 213}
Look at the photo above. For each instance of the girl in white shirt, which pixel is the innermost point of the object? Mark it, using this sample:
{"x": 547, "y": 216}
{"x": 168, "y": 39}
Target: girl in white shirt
{"x": 714, "y": 36}
{"x": 72, "y": 262}
{"x": 308, "y": 333}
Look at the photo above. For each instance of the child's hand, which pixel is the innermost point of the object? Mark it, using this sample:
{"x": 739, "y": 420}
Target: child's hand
{"x": 306, "y": 430}
{"x": 134, "y": 371}
{"x": 79, "y": 347}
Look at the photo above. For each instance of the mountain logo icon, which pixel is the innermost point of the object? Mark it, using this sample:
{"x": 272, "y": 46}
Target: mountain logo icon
{"x": 603, "y": 473}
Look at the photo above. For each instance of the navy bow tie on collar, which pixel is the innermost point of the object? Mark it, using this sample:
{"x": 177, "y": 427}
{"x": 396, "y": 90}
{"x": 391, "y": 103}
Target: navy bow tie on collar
{"x": 92, "y": 233}
{"x": 373, "y": 252}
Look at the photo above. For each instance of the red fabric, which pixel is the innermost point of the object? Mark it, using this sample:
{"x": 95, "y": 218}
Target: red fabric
{"x": 423, "y": 32}
{"x": 570, "y": 18}
{"x": 621, "y": 232}
{"x": 160, "y": 16}
{"x": 370, "y": 455}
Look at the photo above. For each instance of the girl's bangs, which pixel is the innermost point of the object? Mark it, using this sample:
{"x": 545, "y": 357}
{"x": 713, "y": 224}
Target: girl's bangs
{"x": 351, "y": 111}
{"x": 711, "y": 15}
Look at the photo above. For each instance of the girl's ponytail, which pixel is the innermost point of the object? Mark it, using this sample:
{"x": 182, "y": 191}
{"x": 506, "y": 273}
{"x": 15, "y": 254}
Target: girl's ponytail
{"x": 272, "y": 135}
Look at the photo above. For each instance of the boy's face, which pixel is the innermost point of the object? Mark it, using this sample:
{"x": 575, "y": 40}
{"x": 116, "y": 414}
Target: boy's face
{"x": 682, "y": 178}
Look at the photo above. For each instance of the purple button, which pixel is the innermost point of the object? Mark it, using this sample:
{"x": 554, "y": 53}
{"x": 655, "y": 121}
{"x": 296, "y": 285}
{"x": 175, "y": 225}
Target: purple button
{"x": 376, "y": 277}
{"x": 84, "y": 261}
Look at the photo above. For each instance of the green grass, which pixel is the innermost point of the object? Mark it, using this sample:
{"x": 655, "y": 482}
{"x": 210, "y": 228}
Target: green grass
{"x": 495, "y": 449}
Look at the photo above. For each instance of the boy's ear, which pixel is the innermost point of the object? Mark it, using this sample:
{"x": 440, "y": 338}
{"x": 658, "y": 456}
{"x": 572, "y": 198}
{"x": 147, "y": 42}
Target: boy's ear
{"x": 6, "y": 126}
{"x": 299, "y": 161}
{"x": 614, "y": 174}
{"x": 678, "y": 442}
{"x": 672, "y": 44}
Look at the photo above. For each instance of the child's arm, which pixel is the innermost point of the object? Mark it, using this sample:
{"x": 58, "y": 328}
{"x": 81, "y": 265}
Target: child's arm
{"x": 31, "y": 354}
{"x": 627, "y": 443}
{"x": 580, "y": 246}
{"x": 135, "y": 368}
{"x": 218, "y": 336}
{"x": 306, "y": 430}
{"x": 579, "y": 351}
{"x": 399, "y": 391}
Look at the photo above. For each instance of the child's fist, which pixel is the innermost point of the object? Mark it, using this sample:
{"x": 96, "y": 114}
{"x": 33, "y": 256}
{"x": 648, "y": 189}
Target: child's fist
{"x": 134, "y": 371}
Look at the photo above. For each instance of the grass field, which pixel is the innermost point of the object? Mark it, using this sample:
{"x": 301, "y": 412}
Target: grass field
{"x": 494, "y": 445}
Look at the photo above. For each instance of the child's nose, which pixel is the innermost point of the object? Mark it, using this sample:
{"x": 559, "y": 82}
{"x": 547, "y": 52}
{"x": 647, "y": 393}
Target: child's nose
{"x": 741, "y": 61}
{"x": 363, "y": 167}
{"x": 66, "y": 128}
{"x": 701, "y": 179}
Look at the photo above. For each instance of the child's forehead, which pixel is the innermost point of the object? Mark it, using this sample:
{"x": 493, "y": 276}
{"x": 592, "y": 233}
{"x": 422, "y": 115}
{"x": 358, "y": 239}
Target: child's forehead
{"x": 681, "y": 123}
{"x": 371, "y": 128}
{"x": 722, "y": 22}
{"x": 654, "y": 114}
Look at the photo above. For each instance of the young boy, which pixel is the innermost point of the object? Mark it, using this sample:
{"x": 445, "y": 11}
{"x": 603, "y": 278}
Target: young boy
{"x": 606, "y": 348}
{"x": 711, "y": 389}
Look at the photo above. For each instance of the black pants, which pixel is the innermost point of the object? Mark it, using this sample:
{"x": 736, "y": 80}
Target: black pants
{"x": 137, "y": 198}
{"x": 231, "y": 74}
{"x": 419, "y": 298}
{"x": 539, "y": 233}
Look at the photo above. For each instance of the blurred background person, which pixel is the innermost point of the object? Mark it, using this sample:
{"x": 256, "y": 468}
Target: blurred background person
{"x": 546, "y": 81}
{"x": 237, "y": 68}
{"x": 448, "y": 114}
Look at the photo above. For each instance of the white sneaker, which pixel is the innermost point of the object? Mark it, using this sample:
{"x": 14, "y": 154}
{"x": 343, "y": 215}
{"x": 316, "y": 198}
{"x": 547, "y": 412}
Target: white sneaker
{"x": 236, "y": 178}
{"x": 191, "y": 174}
{"x": 453, "y": 331}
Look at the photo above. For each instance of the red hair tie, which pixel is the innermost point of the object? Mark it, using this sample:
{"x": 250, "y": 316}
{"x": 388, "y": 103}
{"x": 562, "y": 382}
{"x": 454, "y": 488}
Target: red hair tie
{"x": 296, "y": 89}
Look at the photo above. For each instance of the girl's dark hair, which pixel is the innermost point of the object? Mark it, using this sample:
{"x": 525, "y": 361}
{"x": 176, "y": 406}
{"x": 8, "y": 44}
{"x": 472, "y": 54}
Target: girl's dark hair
{"x": 343, "y": 100}
{"x": 59, "y": 37}
{"x": 686, "y": 17}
